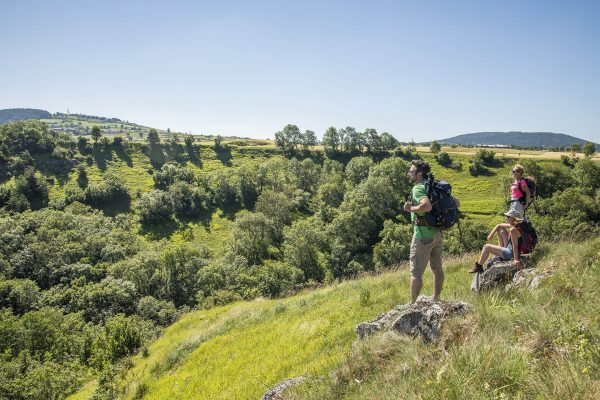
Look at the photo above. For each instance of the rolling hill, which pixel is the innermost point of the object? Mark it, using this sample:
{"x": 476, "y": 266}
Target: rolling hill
{"x": 17, "y": 114}
{"x": 524, "y": 139}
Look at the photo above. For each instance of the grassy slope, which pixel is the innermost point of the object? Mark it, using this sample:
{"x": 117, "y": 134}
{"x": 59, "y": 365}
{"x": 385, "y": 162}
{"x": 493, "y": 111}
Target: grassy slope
{"x": 514, "y": 345}
{"x": 541, "y": 344}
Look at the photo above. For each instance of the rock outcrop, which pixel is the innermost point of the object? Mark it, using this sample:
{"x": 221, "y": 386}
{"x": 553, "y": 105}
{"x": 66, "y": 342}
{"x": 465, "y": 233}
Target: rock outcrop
{"x": 529, "y": 278}
{"x": 276, "y": 393}
{"x": 497, "y": 272}
{"x": 424, "y": 318}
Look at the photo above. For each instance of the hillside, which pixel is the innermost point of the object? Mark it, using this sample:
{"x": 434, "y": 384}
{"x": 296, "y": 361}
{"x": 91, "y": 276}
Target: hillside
{"x": 523, "y": 139}
{"x": 17, "y": 114}
{"x": 104, "y": 244}
{"x": 81, "y": 124}
{"x": 520, "y": 344}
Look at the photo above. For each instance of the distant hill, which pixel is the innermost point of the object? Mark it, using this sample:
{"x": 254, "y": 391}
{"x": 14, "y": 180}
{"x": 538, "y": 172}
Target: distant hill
{"x": 16, "y": 114}
{"x": 524, "y": 139}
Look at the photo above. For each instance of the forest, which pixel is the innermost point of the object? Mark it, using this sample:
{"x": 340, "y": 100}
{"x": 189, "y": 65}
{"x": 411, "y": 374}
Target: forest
{"x": 93, "y": 267}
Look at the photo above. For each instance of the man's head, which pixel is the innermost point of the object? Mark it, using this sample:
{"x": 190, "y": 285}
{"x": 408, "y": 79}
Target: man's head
{"x": 417, "y": 171}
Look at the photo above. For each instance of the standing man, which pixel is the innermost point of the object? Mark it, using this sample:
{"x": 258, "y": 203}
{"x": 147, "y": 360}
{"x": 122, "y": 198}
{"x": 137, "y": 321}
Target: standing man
{"x": 427, "y": 242}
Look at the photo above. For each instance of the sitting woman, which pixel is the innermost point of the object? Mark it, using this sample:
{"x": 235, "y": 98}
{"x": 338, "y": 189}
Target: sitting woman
{"x": 509, "y": 241}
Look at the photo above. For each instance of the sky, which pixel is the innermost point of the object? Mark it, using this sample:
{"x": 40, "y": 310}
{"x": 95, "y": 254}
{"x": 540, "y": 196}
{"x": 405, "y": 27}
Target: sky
{"x": 419, "y": 70}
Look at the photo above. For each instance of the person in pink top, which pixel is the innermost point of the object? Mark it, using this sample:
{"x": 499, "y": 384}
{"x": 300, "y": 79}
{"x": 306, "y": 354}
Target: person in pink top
{"x": 520, "y": 196}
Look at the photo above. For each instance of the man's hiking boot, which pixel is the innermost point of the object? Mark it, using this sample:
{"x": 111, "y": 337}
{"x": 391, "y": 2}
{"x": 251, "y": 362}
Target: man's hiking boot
{"x": 477, "y": 268}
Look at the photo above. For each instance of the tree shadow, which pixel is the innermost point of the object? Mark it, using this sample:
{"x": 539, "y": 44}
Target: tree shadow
{"x": 122, "y": 154}
{"x": 101, "y": 154}
{"x": 117, "y": 207}
{"x": 223, "y": 154}
{"x": 193, "y": 156}
{"x": 230, "y": 210}
{"x": 160, "y": 231}
{"x": 82, "y": 180}
{"x": 157, "y": 156}
{"x": 204, "y": 218}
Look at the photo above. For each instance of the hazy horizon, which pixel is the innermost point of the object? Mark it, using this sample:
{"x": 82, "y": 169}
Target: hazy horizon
{"x": 417, "y": 70}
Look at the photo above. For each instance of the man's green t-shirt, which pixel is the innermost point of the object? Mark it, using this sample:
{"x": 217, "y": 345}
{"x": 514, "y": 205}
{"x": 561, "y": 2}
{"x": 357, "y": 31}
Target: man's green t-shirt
{"x": 421, "y": 232}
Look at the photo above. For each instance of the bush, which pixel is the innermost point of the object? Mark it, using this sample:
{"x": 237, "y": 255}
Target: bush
{"x": 443, "y": 159}
{"x": 476, "y": 168}
{"x": 188, "y": 200}
{"x": 277, "y": 279}
{"x": 394, "y": 246}
{"x": 155, "y": 207}
{"x": 161, "y": 312}
{"x": 19, "y": 295}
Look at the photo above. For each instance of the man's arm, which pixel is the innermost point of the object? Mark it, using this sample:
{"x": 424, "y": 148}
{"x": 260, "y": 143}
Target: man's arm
{"x": 423, "y": 207}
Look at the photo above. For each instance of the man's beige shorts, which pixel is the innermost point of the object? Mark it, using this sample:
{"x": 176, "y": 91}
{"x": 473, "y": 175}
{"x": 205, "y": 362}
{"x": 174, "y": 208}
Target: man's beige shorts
{"x": 426, "y": 250}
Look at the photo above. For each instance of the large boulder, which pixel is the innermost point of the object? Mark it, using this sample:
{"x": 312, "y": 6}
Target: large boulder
{"x": 423, "y": 318}
{"x": 276, "y": 392}
{"x": 496, "y": 272}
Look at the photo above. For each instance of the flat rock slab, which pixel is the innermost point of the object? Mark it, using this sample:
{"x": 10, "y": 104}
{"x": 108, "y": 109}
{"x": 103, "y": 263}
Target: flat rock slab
{"x": 424, "y": 318}
{"x": 276, "y": 393}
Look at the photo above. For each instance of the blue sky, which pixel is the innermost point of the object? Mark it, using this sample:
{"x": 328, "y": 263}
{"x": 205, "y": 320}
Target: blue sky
{"x": 417, "y": 69}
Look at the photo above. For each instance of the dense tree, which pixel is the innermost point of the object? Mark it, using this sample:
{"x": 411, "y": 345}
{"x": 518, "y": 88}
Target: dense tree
{"x": 308, "y": 138}
{"x": 304, "y": 247}
{"x": 388, "y": 142}
{"x": 96, "y": 133}
{"x": 331, "y": 140}
{"x": 155, "y": 207}
{"x": 435, "y": 147}
{"x": 153, "y": 137}
{"x": 357, "y": 169}
{"x": 589, "y": 149}
{"x": 251, "y": 237}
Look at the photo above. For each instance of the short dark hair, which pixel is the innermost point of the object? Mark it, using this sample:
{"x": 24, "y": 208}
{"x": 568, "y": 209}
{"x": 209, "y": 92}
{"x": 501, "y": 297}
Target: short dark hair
{"x": 421, "y": 166}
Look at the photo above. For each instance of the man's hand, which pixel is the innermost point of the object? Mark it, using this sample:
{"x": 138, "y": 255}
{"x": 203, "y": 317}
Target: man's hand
{"x": 517, "y": 263}
{"x": 407, "y": 207}
{"x": 490, "y": 236}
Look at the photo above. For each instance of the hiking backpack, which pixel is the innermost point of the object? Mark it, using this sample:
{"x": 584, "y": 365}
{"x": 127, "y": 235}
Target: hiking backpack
{"x": 444, "y": 210}
{"x": 532, "y": 189}
{"x": 528, "y": 235}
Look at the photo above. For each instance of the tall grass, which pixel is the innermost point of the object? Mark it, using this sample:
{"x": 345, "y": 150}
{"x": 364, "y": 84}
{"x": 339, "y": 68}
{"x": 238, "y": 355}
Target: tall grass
{"x": 517, "y": 345}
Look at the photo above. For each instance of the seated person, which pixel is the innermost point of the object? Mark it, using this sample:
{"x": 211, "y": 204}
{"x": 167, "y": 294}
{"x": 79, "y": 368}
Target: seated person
{"x": 509, "y": 241}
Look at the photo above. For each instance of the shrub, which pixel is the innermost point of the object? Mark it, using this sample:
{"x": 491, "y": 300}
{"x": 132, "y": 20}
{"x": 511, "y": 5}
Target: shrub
{"x": 443, "y": 159}
{"x": 155, "y": 207}
{"x": 394, "y": 246}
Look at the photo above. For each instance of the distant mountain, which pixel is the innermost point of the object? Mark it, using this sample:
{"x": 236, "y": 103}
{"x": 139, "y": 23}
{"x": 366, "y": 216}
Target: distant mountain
{"x": 524, "y": 139}
{"x": 16, "y": 114}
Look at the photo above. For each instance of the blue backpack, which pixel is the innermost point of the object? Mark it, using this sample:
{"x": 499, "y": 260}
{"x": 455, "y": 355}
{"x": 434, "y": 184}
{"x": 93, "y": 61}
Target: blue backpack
{"x": 444, "y": 208}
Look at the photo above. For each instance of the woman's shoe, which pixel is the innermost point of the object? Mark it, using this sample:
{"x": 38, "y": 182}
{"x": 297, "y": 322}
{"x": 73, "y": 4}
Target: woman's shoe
{"x": 477, "y": 268}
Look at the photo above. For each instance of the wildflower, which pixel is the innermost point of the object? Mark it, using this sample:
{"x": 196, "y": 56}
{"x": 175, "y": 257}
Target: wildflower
{"x": 585, "y": 370}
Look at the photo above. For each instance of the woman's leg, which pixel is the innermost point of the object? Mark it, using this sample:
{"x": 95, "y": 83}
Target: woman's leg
{"x": 487, "y": 250}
